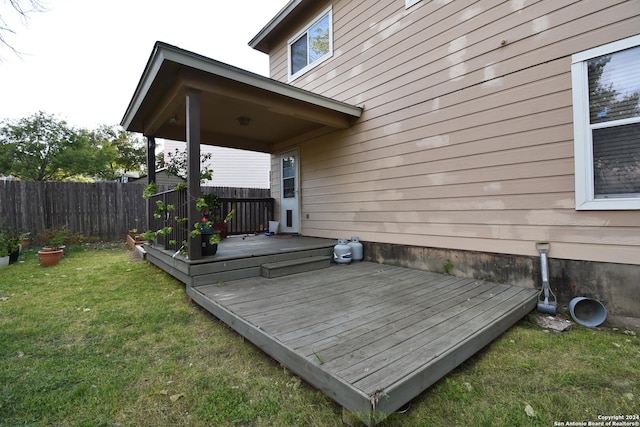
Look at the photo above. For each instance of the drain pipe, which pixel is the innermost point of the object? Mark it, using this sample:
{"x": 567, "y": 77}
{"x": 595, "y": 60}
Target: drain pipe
{"x": 544, "y": 305}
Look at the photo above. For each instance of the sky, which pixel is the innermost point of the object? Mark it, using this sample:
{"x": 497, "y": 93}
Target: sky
{"x": 81, "y": 60}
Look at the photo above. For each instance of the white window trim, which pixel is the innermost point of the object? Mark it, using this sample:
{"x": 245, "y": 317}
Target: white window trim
{"x": 582, "y": 142}
{"x": 409, "y": 3}
{"x": 327, "y": 11}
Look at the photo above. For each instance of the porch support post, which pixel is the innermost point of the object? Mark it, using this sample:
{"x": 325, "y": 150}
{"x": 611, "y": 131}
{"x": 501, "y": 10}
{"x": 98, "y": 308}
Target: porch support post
{"x": 151, "y": 175}
{"x": 193, "y": 170}
{"x": 151, "y": 159}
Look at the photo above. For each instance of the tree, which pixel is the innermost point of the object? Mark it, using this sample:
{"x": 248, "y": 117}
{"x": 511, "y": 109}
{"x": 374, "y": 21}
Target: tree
{"x": 177, "y": 164}
{"x": 22, "y": 8}
{"x": 43, "y": 148}
{"x": 116, "y": 152}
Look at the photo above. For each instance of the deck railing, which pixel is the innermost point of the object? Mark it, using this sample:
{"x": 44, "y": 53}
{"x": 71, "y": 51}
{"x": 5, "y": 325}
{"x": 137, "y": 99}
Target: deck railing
{"x": 159, "y": 219}
{"x": 250, "y": 216}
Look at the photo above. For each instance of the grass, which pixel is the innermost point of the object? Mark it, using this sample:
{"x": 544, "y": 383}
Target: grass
{"x": 102, "y": 339}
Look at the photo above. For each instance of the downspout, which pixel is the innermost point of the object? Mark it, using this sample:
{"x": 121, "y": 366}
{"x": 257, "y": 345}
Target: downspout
{"x": 194, "y": 250}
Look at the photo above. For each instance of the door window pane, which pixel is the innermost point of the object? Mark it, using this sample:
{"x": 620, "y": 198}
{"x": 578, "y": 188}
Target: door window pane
{"x": 288, "y": 177}
{"x": 288, "y": 188}
{"x": 288, "y": 167}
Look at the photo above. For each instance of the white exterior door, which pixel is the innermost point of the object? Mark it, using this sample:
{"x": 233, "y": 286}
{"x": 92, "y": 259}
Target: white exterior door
{"x": 290, "y": 190}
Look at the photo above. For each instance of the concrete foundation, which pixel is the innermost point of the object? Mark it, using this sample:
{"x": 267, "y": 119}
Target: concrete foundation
{"x": 617, "y": 286}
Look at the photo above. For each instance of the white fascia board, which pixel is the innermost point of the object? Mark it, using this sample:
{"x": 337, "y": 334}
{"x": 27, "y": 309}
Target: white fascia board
{"x": 165, "y": 52}
{"x": 146, "y": 80}
{"x": 275, "y": 21}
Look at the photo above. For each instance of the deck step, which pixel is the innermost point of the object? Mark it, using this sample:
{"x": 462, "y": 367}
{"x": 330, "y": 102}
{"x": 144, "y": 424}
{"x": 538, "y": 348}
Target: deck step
{"x": 293, "y": 266}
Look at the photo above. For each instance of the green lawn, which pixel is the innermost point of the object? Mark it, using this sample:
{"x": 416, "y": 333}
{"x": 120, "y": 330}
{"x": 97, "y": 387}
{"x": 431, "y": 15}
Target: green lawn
{"x": 103, "y": 339}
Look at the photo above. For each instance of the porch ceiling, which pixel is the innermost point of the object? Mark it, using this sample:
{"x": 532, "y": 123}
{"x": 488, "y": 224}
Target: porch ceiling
{"x": 277, "y": 111}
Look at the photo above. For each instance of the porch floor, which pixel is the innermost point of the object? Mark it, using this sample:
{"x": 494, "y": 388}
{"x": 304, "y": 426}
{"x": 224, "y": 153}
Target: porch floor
{"x": 371, "y": 336}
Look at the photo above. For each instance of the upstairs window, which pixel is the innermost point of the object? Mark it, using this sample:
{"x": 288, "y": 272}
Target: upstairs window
{"x": 311, "y": 46}
{"x": 606, "y": 114}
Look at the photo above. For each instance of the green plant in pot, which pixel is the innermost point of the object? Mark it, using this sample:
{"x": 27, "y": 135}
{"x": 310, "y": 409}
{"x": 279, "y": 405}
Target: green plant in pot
{"x": 54, "y": 243}
{"x": 14, "y": 245}
{"x": 10, "y": 244}
{"x": 205, "y": 227}
{"x": 210, "y": 205}
{"x": 4, "y": 250}
{"x": 26, "y": 239}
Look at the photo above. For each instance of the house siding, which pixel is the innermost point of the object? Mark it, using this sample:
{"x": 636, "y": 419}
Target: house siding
{"x": 231, "y": 167}
{"x": 466, "y": 140}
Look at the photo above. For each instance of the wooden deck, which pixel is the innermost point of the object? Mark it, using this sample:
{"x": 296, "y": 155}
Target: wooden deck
{"x": 238, "y": 257}
{"x": 370, "y": 336}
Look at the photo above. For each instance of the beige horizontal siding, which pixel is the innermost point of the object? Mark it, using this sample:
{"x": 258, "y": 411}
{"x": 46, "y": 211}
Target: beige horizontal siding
{"x": 466, "y": 140}
{"x": 440, "y": 49}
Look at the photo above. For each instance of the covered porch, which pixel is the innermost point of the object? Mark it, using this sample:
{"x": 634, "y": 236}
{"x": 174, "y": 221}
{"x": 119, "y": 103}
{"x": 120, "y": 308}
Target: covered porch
{"x": 187, "y": 97}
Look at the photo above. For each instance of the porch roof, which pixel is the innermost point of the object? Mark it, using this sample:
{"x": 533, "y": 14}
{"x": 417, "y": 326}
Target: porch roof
{"x": 276, "y": 111}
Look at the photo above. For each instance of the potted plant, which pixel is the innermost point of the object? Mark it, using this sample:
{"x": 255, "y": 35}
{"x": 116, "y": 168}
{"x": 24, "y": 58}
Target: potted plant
{"x": 4, "y": 250}
{"x": 209, "y": 205}
{"x": 210, "y": 236}
{"x": 26, "y": 239}
{"x": 9, "y": 246}
{"x": 14, "y": 245}
{"x": 53, "y": 249}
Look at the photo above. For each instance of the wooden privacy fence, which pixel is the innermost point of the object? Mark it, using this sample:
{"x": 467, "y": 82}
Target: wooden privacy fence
{"x": 104, "y": 210}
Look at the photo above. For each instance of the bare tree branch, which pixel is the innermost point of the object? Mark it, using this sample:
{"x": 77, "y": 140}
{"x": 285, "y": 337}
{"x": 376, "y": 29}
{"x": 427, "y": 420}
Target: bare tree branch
{"x": 23, "y": 8}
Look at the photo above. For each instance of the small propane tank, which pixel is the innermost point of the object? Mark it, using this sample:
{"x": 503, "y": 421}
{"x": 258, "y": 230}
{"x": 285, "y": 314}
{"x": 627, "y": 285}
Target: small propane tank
{"x": 356, "y": 249}
{"x": 342, "y": 252}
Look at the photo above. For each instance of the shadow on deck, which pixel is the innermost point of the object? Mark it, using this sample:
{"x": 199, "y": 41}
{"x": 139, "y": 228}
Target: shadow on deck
{"x": 371, "y": 336}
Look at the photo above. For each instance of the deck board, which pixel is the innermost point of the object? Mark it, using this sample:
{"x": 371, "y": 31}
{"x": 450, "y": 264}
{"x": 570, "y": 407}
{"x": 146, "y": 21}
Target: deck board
{"x": 360, "y": 330}
{"x": 392, "y": 333}
{"x": 416, "y": 346}
{"x": 340, "y": 325}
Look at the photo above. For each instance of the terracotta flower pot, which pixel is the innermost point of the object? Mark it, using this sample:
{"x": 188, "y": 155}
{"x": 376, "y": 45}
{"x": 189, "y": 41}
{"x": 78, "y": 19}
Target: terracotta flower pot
{"x": 50, "y": 257}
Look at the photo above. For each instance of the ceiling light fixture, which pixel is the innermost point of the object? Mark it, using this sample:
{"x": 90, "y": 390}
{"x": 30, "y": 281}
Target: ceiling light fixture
{"x": 244, "y": 121}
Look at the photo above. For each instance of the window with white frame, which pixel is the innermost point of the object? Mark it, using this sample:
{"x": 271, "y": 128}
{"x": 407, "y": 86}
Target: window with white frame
{"x": 311, "y": 46}
{"x": 606, "y": 117}
{"x": 409, "y": 3}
